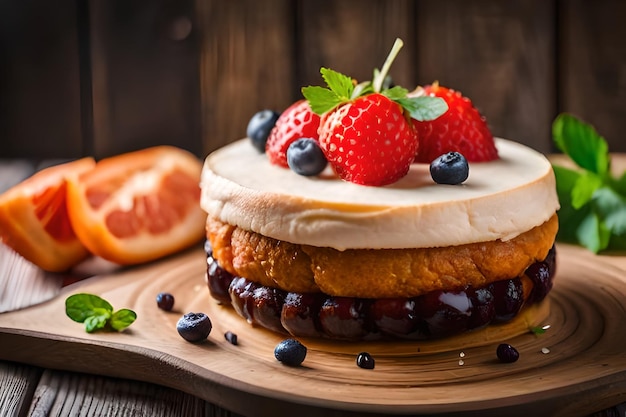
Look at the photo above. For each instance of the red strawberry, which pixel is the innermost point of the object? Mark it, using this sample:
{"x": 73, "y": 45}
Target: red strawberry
{"x": 297, "y": 121}
{"x": 462, "y": 129}
{"x": 369, "y": 141}
{"x": 366, "y": 132}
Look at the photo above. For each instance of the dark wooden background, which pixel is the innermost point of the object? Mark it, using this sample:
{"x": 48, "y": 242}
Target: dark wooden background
{"x": 101, "y": 77}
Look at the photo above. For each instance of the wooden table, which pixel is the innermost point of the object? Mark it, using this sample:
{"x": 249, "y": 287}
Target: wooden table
{"x": 38, "y": 391}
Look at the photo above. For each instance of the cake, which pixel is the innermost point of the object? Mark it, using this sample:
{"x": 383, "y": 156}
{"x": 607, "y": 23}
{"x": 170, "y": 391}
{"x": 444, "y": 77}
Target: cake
{"x": 332, "y": 219}
{"x": 325, "y": 257}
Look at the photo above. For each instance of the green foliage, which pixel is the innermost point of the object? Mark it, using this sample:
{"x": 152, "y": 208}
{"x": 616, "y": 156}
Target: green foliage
{"x": 97, "y": 313}
{"x": 593, "y": 202}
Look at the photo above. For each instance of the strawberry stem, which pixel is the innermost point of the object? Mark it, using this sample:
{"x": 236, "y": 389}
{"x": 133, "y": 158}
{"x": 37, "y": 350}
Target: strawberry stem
{"x": 379, "y": 78}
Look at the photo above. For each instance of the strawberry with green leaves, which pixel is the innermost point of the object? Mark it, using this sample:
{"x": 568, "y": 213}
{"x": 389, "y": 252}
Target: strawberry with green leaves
{"x": 366, "y": 130}
{"x": 461, "y": 129}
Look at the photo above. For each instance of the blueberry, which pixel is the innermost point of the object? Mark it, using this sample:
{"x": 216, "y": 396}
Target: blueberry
{"x": 364, "y": 360}
{"x": 165, "y": 301}
{"x": 290, "y": 352}
{"x": 507, "y": 353}
{"x": 450, "y": 168}
{"x": 231, "y": 337}
{"x": 305, "y": 157}
{"x": 194, "y": 327}
{"x": 260, "y": 126}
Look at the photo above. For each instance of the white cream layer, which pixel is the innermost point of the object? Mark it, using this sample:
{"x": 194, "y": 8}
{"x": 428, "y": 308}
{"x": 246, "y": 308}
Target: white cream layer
{"x": 500, "y": 200}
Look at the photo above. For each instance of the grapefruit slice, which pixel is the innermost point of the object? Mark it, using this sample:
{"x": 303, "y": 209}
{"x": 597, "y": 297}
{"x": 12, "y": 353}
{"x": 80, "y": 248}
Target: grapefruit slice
{"x": 138, "y": 206}
{"x": 34, "y": 220}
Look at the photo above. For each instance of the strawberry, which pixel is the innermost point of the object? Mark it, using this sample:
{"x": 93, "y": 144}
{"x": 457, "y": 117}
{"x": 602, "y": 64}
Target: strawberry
{"x": 369, "y": 141}
{"x": 297, "y": 121}
{"x": 461, "y": 129}
{"x": 366, "y": 131}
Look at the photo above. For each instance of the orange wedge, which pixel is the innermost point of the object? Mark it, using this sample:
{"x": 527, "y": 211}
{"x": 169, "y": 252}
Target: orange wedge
{"x": 139, "y": 206}
{"x": 34, "y": 220}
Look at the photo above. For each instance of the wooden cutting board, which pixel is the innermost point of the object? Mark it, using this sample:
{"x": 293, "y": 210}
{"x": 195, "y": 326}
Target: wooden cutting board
{"x": 582, "y": 367}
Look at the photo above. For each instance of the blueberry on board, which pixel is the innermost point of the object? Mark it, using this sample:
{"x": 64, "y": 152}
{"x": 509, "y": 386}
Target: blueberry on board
{"x": 290, "y": 352}
{"x": 194, "y": 327}
{"x": 507, "y": 353}
{"x": 450, "y": 168}
{"x": 364, "y": 360}
{"x": 305, "y": 157}
{"x": 260, "y": 126}
{"x": 165, "y": 301}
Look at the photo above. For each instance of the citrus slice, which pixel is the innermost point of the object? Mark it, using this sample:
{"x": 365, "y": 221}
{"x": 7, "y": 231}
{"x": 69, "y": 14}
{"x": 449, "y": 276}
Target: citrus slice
{"x": 34, "y": 220}
{"x": 138, "y": 206}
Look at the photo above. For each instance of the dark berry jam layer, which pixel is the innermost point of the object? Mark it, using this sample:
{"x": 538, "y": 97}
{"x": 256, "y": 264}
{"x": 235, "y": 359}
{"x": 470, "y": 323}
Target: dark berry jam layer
{"x": 433, "y": 315}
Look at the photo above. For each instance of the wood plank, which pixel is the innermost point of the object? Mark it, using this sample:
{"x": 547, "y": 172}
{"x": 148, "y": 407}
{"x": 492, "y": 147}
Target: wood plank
{"x": 17, "y": 385}
{"x": 145, "y": 76}
{"x": 246, "y": 64}
{"x": 593, "y": 66}
{"x": 40, "y": 108}
{"x": 501, "y": 55}
{"x": 354, "y": 37}
{"x": 67, "y": 393}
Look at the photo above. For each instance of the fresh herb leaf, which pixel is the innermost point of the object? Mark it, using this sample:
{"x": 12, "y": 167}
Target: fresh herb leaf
{"x": 93, "y": 323}
{"x": 592, "y": 233}
{"x": 593, "y": 202}
{"x": 341, "y": 89}
{"x": 424, "y": 108}
{"x": 581, "y": 143}
{"x": 537, "y": 330}
{"x": 586, "y": 185}
{"x": 340, "y": 84}
{"x": 321, "y": 99}
{"x": 79, "y": 307}
{"x": 97, "y": 313}
{"x": 121, "y": 319}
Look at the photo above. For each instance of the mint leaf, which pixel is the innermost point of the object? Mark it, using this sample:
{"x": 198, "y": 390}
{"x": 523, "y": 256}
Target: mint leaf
{"x": 340, "y": 84}
{"x": 121, "y": 319}
{"x": 79, "y": 307}
{"x": 593, "y": 202}
{"x": 321, "y": 99}
{"x": 341, "y": 89}
{"x": 612, "y": 208}
{"x": 424, "y": 108}
{"x": 592, "y": 233}
{"x": 93, "y": 323}
{"x": 584, "y": 188}
{"x": 97, "y": 313}
{"x": 619, "y": 185}
{"x": 395, "y": 93}
{"x": 581, "y": 143}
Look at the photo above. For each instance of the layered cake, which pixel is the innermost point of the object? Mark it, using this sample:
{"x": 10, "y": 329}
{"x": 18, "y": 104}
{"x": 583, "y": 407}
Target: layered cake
{"x": 371, "y": 244}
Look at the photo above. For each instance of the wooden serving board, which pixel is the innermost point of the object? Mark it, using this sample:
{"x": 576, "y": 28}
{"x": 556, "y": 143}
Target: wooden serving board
{"x": 584, "y": 370}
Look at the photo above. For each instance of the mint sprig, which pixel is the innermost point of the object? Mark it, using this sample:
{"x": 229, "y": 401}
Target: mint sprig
{"x": 97, "y": 313}
{"x": 593, "y": 201}
{"x": 342, "y": 89}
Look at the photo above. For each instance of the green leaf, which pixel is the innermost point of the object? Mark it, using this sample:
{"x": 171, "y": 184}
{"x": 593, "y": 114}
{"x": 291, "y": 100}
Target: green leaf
{"x": 612, "y": 208}
{"x": 592, "y": 233}
{"x": 340, "y": 84}
{"x": 619, "y": 184}
{"x": 97, "y": 322}
{"x": 396, "y": 93}
{"x": 586, "y": 184}
{"x": 79, "y": 307}
{"x": 581, "y": 143}
{"x": 424, "y": 108}
{"x": 565, "y": 181}
{"x": 121, "y": 319}
{"x": 321, "y": 99}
